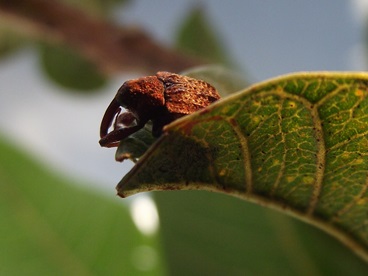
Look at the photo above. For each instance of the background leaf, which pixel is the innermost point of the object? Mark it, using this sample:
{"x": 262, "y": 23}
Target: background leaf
{"x": 212, "y": 234}
{"x": 197, "y": 36}
{"x": 69, "y": 69}
{"x": 49, "y": 227}
{"x": 225, "y": 80}
{"x": 9, "y": 41}
{"x": 297, "y": 143}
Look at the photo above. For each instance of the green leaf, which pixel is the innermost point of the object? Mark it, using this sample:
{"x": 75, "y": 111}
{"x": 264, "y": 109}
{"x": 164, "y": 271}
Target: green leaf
{"x": 69, "y": 69}
{"x": 296, "y": 143}
{"x": 212, "y": 234}
{"x": 135, "y": 145}
{"x": 196, "y": 36}
{"x": 9, "y": 41}
{"x": 49, "y": 227}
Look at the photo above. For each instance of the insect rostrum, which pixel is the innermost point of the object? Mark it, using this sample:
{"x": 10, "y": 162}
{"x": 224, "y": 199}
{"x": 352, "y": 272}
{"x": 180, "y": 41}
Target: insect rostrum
{"x": 162, "y": 99}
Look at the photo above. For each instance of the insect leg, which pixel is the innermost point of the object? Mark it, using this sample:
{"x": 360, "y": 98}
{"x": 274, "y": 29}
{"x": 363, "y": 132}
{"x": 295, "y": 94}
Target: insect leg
{"x": 113, "y": 138}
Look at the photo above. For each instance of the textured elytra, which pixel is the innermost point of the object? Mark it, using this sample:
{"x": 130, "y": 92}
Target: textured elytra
{"x": 185, "y": 95}
{"x": 160, "y": 99}
{"x": 298, "y": 143}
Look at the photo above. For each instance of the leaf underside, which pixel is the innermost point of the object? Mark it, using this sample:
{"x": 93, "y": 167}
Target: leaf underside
{"x": 298, "y": 143}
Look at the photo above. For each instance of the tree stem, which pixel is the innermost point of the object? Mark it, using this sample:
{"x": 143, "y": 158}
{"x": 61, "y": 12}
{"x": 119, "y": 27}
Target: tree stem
{"x": 112, "y": 48}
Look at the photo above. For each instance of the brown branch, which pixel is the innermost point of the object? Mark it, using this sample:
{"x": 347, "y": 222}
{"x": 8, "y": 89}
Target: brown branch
{"x": 113, "y": 48}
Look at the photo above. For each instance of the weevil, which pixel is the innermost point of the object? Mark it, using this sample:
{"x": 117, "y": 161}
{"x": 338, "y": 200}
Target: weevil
{"x": 162, "y": 99}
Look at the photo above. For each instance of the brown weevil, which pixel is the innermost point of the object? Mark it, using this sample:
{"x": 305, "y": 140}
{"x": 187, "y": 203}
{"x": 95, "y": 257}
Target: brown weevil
{"x": 162, "y": 99}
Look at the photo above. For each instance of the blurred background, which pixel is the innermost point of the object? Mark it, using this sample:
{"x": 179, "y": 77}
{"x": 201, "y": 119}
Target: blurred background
{"x": 59, "y": 209}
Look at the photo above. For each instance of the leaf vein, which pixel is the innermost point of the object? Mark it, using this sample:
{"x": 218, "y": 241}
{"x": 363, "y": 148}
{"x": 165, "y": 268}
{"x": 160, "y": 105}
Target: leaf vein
{"x": 246, "y": 155}
{"x": 321, "y": 148}
{"x": 351, "y": 204}
{"x": 282, "y": 165}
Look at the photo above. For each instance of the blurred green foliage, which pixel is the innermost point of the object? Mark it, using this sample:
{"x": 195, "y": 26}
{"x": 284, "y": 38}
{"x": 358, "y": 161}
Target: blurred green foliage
{"x": 197, "y": 36}
{"x": 9, "y": 41}
{"x": 70, "y": 69}
{"x": 206, "y": 233}
{"x": 52, "y": 226}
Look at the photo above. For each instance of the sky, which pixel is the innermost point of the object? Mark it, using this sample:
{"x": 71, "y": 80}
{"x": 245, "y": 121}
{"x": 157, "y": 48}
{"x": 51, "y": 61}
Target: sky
{"x": 266, "y": 38}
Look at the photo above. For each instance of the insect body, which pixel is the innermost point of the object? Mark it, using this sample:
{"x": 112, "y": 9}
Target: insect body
{"x": 162, "y": 99}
